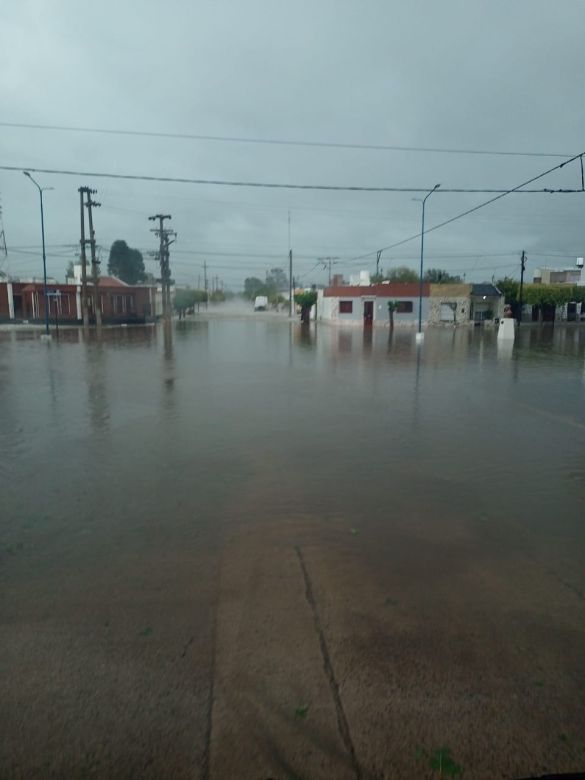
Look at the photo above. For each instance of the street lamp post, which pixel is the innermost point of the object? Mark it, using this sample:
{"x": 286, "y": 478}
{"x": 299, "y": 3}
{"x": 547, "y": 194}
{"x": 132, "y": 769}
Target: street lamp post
{"x": 41, "y": 190}
{"x": 419, "y": 335}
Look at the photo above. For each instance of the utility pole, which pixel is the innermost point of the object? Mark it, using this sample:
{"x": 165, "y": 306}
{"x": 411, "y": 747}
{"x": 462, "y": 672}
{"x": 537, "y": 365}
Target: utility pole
{"x": 521, "y": 292}
{"x": 94, "y": 261}
{"x": 291, "y": 283}
{"x": 84, "y": 300}
{"x": 205, "y": 281}
{"x": 327, "y": 263}
{"x": 164, "y": 234}
{"x": 378, "y": 256}
{"x": 45, "y": 291}
{"x": 420, "y": 336}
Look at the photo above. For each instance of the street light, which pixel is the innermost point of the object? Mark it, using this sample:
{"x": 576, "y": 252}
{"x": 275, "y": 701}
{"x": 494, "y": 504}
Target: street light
{"x": 419, "y": 335}
{"x": 41, "y": 190}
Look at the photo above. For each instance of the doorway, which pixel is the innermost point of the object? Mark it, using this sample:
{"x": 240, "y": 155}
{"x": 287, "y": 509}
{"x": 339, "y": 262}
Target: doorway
{"x": 368, "y": 312}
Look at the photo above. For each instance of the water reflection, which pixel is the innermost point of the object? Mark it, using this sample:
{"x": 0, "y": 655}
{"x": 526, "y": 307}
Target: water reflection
{"x": 306, "y": 335}
{"x": 97, "y": 385}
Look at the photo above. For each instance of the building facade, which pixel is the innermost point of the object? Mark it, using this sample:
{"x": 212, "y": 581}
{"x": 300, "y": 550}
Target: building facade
{"x": 24, "y": 302}
{"x": 442, "y": 304}
{"x": 368, "y": 304}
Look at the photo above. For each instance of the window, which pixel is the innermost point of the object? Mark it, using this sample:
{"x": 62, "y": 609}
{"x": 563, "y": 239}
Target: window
{"x": 345, "y": 307}
{"x": 447, "y": 310}
{"x": 404, "y": 307}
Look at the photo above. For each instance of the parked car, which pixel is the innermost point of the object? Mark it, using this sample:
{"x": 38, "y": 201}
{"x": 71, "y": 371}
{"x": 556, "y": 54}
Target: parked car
{"x": 260, "y": 303}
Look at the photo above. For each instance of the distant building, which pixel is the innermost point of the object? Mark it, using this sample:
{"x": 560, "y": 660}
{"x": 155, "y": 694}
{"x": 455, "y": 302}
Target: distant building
{"x": 22, "y": 301}
{"x": 368, "y": 304}
{"x": 575, "y": 276}
{"x": 458, "y": 304}
{"x": 442, "y": 304}
{"x": 572, "y": 311}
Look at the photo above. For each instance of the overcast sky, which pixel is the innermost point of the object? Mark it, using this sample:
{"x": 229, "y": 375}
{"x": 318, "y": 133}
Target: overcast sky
{"x": 468, "y": 74}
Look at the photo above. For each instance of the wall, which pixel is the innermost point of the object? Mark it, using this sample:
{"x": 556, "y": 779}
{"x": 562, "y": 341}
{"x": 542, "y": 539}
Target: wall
{"x": 33, "y": 309}
{"x": 328, "y": 310}
{"x": 4, "y": 308}
{"x": 436, "y": 303}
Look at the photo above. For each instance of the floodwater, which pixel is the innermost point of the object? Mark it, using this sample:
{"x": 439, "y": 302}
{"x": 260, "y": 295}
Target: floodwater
{"x": 244, "y": 549}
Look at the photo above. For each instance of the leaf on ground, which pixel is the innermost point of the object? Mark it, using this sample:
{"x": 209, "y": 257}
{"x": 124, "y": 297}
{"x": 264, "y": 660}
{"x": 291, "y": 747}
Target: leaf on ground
{"x": 302, "y": 711}
{"x": 443, "y": 762}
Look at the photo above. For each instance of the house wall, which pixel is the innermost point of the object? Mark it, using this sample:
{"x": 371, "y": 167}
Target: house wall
{"x": 443, "y": 294}
{"x": 329, "y": 310}
{"x": 492, "y": 303}
{"x": 4, "y": 306}
{"x": 137, "y": 302}
{"x": 436, "y": 310}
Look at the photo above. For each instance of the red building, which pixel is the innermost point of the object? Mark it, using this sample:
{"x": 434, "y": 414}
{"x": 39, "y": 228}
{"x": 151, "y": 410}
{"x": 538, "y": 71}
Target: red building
{"x": 119, "y": 302}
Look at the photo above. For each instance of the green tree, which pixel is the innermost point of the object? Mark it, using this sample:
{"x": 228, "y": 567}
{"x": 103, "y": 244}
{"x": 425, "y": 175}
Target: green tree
{"x": 402, "y": 273}
{"x": 126, "y": 263}
{"x": 217, "y": 296}
{"x": 547, "y": 294}
{"x": 306, "y": 300}
{"x": 184, "y": 300}
{"x": 277, "y": 280}
{"x": 69, "y": 270}
{"x": 440, "y": 276}
{"x": 509, "y": 288}
{"x": 253, "y": 287}
{"x": 188, "y": 299}
{"x": 392, "y": 306}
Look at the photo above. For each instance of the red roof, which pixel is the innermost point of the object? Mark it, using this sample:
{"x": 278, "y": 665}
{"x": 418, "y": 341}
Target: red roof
{"x": 110, "y": 281}
{"x": 391, "y": 290}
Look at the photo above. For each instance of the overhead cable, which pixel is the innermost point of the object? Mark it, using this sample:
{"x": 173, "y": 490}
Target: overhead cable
{"x": 276, "y": 141}
{"x": 279, "y": 185}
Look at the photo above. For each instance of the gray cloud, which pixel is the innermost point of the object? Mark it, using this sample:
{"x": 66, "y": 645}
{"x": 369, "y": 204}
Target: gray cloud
{"x": 488, "y": 74}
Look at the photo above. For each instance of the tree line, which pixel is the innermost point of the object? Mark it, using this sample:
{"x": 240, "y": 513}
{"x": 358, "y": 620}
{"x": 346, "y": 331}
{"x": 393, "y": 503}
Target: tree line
{"x": 402, "y": 273}
{"x": 539, "y": 294}
{"x": 272, "y": 287}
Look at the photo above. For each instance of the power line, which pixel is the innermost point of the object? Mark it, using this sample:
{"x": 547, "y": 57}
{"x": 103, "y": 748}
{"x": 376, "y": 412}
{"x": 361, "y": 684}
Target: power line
{"x": 278, "y": 141}
{"x": 286, "y": 186}
{"x": 474, "y": 208}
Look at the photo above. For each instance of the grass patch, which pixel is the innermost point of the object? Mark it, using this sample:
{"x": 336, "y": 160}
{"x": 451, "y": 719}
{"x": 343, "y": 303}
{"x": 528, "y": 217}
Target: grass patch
{"x": 302, "y": 711}
{"x": 443, "y": 762}
{"x": 440, "y": 760}
{"x": 12, "y": 549}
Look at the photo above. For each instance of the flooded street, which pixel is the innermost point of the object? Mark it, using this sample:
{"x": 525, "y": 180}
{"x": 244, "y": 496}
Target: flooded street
{"x": 244, "y": 549}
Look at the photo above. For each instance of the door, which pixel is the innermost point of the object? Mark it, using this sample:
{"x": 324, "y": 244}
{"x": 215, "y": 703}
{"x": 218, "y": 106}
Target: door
{"x": 368, "y": 312}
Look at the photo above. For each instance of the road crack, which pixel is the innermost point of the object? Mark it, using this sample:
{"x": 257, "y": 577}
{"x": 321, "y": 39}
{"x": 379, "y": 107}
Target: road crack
{"x": 342, "y": 723}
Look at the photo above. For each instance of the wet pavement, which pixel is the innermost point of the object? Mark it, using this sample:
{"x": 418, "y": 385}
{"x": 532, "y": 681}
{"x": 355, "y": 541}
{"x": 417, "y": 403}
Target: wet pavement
{"x": 245, "y": 549}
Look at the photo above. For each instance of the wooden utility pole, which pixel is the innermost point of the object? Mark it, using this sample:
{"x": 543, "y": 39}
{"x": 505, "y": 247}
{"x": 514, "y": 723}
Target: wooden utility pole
{"x": 521, "y": 292}
{"x": 164, "y": 235}
{"x": 94, "y": 261}
{"x": 83, "y": 257}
